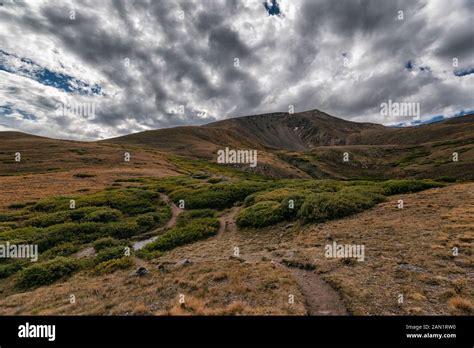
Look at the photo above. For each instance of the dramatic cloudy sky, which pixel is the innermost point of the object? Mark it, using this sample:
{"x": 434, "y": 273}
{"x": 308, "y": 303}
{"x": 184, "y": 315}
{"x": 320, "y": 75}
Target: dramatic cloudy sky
{"x": 154, "y": 64}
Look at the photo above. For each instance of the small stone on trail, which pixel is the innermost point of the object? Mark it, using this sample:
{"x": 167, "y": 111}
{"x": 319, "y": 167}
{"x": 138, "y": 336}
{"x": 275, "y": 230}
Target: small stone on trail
{"x": 141, "y": 271}
{"x": 183, "y": 262}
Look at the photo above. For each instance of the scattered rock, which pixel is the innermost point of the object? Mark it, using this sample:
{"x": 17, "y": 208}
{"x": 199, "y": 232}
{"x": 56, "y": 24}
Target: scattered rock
{"x": 183, "y": 262}
{"x": 289, "y": 226}
{"x": 297, "y": 264}
{"x": 237, "y": 258}
{"x": 141, "y": 271}
{"x": 164, "y": 266}
{"x": 349, "y": 261}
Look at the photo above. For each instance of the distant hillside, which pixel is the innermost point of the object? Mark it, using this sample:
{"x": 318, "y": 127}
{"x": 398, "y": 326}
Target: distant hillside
{"x": 449, "y": 130}
{"x": 306, "y": 144}
{"x": 278, "y": 131}
{"x": 296, "y": 132}
{"x": 312, "y": 144}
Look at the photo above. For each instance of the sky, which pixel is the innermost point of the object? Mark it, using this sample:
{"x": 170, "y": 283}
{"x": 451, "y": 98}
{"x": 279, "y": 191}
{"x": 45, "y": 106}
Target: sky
{"x": 92, "y": 69}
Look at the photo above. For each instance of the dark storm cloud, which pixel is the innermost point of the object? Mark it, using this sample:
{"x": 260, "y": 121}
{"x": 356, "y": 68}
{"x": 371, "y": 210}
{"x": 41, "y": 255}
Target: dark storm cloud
{"x": 152, "y": 58}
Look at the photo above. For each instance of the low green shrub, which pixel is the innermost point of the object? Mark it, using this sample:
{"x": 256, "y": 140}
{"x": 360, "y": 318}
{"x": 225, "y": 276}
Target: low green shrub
{"x": 121, "y": 230}
{"x": 260, "y": 214}
{"x": 104, "y": 215}
{"x": 394, "y": 187}
{"x": 200, "y": 175}
{"x": 290, "y": 211}
{"x": 64, "y": 249}
{"x": 4, "y": 227}
{"x": 188, "y": 215}
{"x": 8, "y": 269}
{"x": 27, "y": 234}
{"x": 249, "y": 200}
{"x": 46, "y": 220}
{"x": 148, "y": 220}
{"x": 446, "y": 179}
{"x": 105, "y": 242}
{"x": 110, "y": 253}
{"x": 17, "y": 206}
{"x": 320, "y": 207}
{"x": 70, "y": 231}
{"x": 130, "y": 201}
{"x": 46, "y": 273}
{"x": 51, "y": 204}
{"x": 214, "y": 180}
{"x": 218, "y": 196}
{"x": 148, "y": 254}
{"x": 195, "y": 230}
{"x": 113, "y": 265}
{"x": 281, "y": 194}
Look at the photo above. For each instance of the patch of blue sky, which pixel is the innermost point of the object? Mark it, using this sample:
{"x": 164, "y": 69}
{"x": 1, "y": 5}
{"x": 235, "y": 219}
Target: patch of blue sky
{"x": 463, "y": 72}
{"x": 8, "y": 110}
{"x": 27, "y": 68}
{"x": 27, "y": 116}
{"x": 464, "y": 113}
{"x": 434, "y": 119}
{"x": 272, "y": 7}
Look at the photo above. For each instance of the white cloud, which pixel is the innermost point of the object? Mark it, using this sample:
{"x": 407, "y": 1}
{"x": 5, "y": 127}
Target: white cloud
{"x": 293, "y": 59}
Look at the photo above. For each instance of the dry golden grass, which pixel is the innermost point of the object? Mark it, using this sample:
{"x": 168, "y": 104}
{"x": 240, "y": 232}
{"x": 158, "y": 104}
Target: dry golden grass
{"x": 195, "y": 306}
{"x": 407, "y": 251}
{"x": 206, "y": 291}
{"x": 49, "y": 167}
{"x": 461, "y": 305}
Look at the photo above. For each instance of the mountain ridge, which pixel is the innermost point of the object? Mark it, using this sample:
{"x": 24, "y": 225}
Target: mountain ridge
{"x": 306, "y": 144}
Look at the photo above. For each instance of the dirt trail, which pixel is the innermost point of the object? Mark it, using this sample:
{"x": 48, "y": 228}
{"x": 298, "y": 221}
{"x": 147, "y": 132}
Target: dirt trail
{"x": 319, "y": 297}
{"x": 175, "y": 211}
{"x": 85, "y": 253}
{"x": 227, "y": 221}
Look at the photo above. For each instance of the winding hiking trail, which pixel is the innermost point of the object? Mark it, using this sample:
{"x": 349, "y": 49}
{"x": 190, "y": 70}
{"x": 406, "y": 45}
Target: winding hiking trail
{"x": 290, "y": 259}
{"x": 175, "y": 211}
{"x": 227, "y": 221}
{"x": 319, "y": 297}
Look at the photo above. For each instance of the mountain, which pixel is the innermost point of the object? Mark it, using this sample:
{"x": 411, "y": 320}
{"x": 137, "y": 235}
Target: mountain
{"x": 306, "y": 144}
{"x": 312, "y": 144}
{"x": 276, "y": 131}
{"x": 296, "y": 132}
